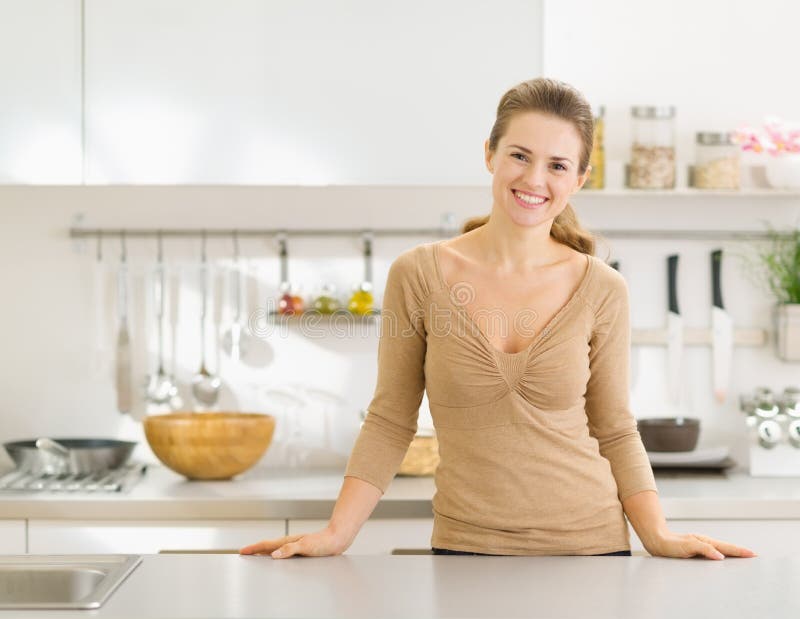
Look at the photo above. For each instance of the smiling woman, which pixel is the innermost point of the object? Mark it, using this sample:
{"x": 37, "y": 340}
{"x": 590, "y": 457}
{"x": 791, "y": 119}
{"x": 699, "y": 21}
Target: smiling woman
{"x": 539, "y": 452}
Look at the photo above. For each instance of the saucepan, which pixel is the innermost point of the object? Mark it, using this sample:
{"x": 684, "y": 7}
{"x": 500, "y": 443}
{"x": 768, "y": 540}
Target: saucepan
{"x": 76, "y": 456}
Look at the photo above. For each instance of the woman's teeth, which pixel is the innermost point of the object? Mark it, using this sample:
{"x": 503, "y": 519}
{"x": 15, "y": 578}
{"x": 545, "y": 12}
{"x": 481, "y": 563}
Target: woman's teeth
{"x": 529, "y": 199}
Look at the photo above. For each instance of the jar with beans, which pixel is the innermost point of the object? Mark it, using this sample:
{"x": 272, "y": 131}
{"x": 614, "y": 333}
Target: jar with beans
{"x": 652, "y": 164}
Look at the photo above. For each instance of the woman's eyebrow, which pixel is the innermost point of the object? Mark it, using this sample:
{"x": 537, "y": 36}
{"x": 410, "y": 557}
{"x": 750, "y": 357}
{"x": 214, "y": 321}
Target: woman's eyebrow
{"x": 529, "y": 152}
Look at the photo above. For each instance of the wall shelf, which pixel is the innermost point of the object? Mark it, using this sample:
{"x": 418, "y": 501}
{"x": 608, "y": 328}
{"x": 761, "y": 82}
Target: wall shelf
{"x": 698, "y": 337}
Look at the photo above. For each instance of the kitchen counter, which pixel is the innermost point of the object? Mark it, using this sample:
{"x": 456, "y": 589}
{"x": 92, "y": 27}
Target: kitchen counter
{"x": 199, "y": 586}
{"x": 311, "y": 494}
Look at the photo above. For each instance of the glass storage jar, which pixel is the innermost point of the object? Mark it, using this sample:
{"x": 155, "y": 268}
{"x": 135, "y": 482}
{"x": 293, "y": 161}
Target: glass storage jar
{"x": 597, "y": 175}
{"x": 716, "y": 161}
{"x": 652, "y": 164}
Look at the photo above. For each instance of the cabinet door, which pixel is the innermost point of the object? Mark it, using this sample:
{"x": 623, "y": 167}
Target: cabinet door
{"x": 12, "y": 537}
{"x": 379, "y": 536}
{"x": 299, "y": 93}
{"x": 147, "y": 537}
{"x": 767, "y": 538}
{"x": 40, "y": 91}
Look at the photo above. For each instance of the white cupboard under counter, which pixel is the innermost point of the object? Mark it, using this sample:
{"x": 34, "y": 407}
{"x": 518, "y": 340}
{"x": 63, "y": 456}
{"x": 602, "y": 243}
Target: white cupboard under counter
{"x": 12, "y": 537}
{"x": 165, "y": 512}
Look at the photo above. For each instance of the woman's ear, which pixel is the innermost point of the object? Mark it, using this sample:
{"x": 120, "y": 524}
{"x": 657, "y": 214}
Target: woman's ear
{"x": 487, "y": 154}
{"x": 583, "y": 178}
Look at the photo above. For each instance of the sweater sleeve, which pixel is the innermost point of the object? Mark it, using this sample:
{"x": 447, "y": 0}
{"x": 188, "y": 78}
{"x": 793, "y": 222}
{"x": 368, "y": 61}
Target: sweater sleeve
{"x": 607, "y": 393}
{"x": 391, "y": 421}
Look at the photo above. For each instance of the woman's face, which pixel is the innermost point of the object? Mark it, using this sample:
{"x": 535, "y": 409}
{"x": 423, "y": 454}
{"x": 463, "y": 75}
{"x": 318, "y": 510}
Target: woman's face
{"x": 535, "y": 168}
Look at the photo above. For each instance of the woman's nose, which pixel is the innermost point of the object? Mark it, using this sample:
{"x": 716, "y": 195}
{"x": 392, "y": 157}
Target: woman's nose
{"x": 535, "y": 175}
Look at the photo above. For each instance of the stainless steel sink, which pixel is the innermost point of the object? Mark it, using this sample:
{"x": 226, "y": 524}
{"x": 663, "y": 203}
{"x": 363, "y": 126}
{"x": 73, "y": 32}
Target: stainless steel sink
{"x": 61, "y": 581}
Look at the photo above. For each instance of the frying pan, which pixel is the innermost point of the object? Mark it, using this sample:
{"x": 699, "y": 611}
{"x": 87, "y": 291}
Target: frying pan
{"x": 83, "y": 456}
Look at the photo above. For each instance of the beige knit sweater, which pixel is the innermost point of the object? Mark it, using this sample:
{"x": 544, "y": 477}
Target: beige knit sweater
{"x": 538, "y": 448}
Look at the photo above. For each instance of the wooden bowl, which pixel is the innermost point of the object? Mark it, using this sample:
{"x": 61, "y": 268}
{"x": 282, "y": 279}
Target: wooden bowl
{"x": 422, "y": 456}
{"x": 209, "y": 445}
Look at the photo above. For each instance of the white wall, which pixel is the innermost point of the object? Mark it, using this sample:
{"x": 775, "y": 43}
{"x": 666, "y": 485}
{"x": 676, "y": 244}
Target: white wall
{"x": 56, "y": 379}
{"x": 55, "y": 382}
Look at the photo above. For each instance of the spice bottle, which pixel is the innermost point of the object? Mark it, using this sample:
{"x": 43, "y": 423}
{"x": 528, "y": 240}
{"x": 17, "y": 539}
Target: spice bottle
{"x": 326, "y": 302}
{"x": 597, "y": 175}
{"x": 652, "y": 164}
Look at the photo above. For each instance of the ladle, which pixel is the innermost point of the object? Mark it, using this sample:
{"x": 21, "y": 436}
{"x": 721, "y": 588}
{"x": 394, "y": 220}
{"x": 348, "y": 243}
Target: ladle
{"x": 205, "y": 386}
{"x": 160, "y": 388}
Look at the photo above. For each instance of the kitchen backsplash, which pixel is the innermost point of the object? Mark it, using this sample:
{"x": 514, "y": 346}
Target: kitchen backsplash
{"x": 58, "y": 337}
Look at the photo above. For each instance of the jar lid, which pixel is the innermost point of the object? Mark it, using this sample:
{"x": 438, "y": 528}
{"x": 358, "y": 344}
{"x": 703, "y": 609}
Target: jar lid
{"x": 715, "y": 138}
{"x": 653, "y": 111}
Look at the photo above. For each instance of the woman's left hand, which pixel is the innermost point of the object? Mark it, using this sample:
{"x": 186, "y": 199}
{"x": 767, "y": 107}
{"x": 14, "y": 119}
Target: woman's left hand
{"x": 683, "y": 546}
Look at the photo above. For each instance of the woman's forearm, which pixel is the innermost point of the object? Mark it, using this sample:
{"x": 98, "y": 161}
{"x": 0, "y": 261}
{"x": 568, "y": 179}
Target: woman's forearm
{"x": 357, "y": 499}
{"x": 645, "y": 514}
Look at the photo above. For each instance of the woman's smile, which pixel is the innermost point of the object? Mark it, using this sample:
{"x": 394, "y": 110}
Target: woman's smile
{"x": 529, "y": 200}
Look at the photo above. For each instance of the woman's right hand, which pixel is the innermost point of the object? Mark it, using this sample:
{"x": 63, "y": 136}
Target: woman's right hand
{"x": 320, "y": 544}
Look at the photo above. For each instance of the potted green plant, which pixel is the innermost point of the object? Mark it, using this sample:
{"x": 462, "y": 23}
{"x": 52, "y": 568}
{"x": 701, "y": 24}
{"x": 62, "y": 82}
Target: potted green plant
{"x": 779, "y": 268}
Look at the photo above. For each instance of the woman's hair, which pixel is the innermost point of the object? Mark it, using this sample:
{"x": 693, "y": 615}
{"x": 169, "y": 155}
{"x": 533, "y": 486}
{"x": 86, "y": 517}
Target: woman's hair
{"x": 561, "y": 100}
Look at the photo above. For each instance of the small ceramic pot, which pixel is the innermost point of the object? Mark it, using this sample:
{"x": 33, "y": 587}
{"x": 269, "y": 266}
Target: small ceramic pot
{"x": 783, "y": 171}
{"x": 787, "y": 328}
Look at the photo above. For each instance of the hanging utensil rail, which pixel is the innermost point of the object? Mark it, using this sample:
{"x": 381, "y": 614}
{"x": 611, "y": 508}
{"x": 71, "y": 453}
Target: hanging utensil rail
{"x": 685, "y": 235}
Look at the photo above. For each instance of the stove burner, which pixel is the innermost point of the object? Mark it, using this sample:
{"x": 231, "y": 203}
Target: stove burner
{"x": 111, "y": 480}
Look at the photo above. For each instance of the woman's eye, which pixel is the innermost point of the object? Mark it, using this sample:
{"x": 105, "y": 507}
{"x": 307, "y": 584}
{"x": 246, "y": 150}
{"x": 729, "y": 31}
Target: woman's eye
{"x": 559, "y": 166}
{"x": 519, "y": 156}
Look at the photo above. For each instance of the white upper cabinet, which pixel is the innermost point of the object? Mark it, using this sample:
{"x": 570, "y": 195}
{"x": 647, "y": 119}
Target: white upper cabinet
{"x": 40, "y": 92}
{"x": 306, "y": 92}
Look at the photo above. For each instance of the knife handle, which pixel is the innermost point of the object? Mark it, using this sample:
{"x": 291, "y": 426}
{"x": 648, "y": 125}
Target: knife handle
{"x": 716, "y": 277}
{"x": 672, "y": 283}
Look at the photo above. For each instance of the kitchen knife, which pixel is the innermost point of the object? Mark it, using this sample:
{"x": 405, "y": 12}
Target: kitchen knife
{"x": 721, "y": 331}
{"x": 674, "y": 332}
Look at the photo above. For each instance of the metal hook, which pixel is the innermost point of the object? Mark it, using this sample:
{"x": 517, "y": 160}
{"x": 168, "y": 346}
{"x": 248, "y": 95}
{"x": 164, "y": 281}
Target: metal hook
{"x": 160, "y": 246}
{"x": 123, "y": 248}
{"x": 367, "y": 237}
{"x": 99, "y": 246}
{"x": 282, "y": 236}
{"x": 284, "y": 257}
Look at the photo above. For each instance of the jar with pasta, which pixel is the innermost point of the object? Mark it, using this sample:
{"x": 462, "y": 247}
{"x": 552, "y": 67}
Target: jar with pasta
{"x": 716, "y": 161}
{"x": 652, "y": 164}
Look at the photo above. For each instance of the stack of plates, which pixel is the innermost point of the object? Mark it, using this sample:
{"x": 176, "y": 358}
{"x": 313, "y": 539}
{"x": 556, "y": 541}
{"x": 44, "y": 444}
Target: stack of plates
{"x": 708, "y": 458}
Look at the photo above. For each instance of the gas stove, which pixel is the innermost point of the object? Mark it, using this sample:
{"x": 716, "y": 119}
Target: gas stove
{"x": 112, "y": 480}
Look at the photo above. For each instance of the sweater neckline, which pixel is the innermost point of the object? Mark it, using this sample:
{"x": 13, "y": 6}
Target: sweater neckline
{"x": 539, "y": 336}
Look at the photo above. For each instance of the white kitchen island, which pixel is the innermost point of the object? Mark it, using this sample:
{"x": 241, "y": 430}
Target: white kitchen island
{"x": 165, "y": 512}
{"x": 415, "y": 587}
